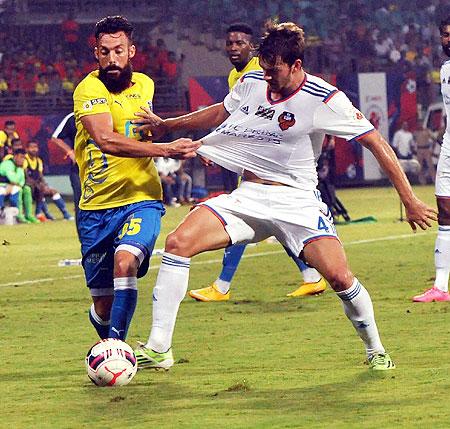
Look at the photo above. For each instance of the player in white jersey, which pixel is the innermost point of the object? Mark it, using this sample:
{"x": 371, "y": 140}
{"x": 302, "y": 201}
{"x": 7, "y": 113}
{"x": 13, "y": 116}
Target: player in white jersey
{"x": 439, "y": 291}
{"x": 269, "y": 130}
{"x": 240, "y": 50}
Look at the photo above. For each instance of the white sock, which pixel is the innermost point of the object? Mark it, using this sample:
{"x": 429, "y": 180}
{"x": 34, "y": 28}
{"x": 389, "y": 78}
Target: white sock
{"x": 358, "y": 308}
{"x": 222, "y": 285}
{"x": 442, "y": 257}
{"x": 97, "y": 318}
{"x": 170, "y": 289}
{"x": 311, "y": 275}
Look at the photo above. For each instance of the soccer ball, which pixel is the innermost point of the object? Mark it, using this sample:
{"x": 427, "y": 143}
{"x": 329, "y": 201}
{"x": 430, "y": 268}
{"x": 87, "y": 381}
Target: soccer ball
{"x": 111, "y": 362}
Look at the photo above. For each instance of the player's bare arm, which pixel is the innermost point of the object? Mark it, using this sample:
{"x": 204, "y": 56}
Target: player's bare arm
{"x": 209, "y": 117}
{"x": 100, "y": 128}
{"x": 68, "y": 151}
{"x": 417, "y": 212}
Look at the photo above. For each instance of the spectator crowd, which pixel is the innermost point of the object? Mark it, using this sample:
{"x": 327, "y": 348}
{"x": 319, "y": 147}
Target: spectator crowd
{"x": 357, "y": 36}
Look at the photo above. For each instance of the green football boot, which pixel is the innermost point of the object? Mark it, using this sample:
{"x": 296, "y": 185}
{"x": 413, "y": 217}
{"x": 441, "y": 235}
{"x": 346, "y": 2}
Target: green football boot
{"x": 380, "y": 362}
{"x": 147, "y": 358}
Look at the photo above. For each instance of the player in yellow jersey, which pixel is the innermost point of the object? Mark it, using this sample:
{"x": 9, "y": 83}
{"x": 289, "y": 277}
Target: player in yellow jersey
{"x": 7, "y": 135}
{"x": 120, "y": 206}
{"x": 240, "y": 50}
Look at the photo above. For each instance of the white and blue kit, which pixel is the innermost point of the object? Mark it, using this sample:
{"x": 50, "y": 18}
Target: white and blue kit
{"x": 279, "y": 141}
{"x": 443, "y": 167}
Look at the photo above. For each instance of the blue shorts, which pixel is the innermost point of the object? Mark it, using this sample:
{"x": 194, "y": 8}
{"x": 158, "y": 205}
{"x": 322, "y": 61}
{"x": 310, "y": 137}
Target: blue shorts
{"x": 134, "y": 227}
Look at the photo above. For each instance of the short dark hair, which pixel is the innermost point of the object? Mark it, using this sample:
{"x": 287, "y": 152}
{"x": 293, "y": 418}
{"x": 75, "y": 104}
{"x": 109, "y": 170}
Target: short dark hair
{"x": 240, "y": 27}
{"x": 32, "y": 142}
{"x": 285, "y": 40}
{"x": 19, "y": 151}
{"x": 443, "y": 24}
{"x": 15, "y": 141}
{"x": 9, "y": 122}
{"x": 114, "y": 24}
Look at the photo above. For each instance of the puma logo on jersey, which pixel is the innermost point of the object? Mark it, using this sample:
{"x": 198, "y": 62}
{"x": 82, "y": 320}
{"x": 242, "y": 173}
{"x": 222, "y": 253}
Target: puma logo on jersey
{"x": 286, "y": 120}
{"x": 265, "y": 112}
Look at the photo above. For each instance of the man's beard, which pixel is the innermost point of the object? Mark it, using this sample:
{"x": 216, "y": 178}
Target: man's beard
{"x": 116, "y": 83}
{"x": 446, "y": 49}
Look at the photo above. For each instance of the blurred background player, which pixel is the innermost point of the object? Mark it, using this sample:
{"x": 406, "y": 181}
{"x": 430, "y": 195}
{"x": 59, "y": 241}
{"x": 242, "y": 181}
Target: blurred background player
{"x": 120, "y": 205}
{"x": 40, "y": 189}
{"x": 439, "y": 291}
{"x": 12, "y": 179}
{"x": 240, "y": 50}
{"x": 6, "y": 137}
{"x": 25, "y": 195}
{"x": 424, "y": 143}
{"x": 64, "y": 138}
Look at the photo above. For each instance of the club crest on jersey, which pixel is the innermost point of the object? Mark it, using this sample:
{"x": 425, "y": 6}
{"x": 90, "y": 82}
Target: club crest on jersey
{"x": 286, "y": 120}
{"x": 265, "y": 112}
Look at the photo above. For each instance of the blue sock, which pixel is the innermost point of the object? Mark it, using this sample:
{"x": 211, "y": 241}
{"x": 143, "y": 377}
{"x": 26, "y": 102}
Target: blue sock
{"x": 14, "y": 199}
{"x": 59, "y": 202}
{"x": 300, "y": 264}
{"x": 44, "y": 208}
{"x": 101, "y": 326}
{"x": 124, "y": 304}
{"x": 2, "y": 200}
{"x": 230, "y": 262}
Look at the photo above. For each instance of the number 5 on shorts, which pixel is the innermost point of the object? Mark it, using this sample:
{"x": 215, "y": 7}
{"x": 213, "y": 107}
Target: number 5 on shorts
{"x": 131, "y": 228}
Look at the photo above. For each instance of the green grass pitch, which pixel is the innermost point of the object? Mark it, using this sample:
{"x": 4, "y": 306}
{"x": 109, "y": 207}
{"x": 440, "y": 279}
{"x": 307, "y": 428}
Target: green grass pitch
{"x": 260, "y": 360}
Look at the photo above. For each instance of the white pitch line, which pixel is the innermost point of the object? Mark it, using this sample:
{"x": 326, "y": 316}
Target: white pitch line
{"x": 214, "y": 261}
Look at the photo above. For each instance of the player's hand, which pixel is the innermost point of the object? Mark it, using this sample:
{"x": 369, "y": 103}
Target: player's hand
{"x": 418, "y": 213}
{"x": 205, "y": 161}
{"x": 148, "y": 122}
{"x": 182, "y": 148}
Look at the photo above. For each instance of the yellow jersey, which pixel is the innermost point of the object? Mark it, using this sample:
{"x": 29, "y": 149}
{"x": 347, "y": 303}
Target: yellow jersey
{"x": 6, "y": 140}
{"x": 235, "y": 75}
{"x": 109, "y": 181}
{"x": 34, "y": 167}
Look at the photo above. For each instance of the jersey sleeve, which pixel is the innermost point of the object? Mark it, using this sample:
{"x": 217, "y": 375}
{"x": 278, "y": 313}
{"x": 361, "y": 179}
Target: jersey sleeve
{"x": 3, "y": 138}
{"x": 90, "y": 98}
{"x": 338, "y": 117}
{"x": 234, "y": 98}
{"x": 66, "y": 128}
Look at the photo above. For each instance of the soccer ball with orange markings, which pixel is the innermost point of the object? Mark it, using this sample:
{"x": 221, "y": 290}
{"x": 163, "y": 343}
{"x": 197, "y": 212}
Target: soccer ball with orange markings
{"x": 111, "y": 362}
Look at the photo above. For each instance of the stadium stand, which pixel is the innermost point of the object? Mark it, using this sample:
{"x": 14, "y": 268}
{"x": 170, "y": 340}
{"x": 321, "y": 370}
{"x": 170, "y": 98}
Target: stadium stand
{"x": 361, "y": 36}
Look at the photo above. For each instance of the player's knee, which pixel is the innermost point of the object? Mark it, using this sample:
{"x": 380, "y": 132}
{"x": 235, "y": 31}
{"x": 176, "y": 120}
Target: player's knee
{"x": 125, "y": 264}
{"x": 179, "y": 243}
{"x": 443, "y": 211}
{"x": 340, "y": 279}
{"x": 444, "y": 217}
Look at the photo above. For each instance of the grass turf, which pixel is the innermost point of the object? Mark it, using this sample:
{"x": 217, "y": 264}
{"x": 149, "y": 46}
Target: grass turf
{"x": 260, "y": 360}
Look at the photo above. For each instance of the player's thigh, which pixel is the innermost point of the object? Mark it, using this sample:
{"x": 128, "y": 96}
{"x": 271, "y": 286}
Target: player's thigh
{"x": 201, "y": 230}
{"x": 138, "y": 231}
{"x": 97, "y": 238}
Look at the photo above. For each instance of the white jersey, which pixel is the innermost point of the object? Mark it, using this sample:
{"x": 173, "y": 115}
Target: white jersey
{"x": 445, "y": 90}
{"x": 281, "y": 140}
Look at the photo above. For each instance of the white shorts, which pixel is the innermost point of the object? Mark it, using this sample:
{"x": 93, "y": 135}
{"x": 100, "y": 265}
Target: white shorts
{"x": 254, "y": 212}
{"x": 443, "y": 176}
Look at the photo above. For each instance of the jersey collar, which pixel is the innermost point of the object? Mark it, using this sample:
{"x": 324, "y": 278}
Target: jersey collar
{"x": 281, "y": 100}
